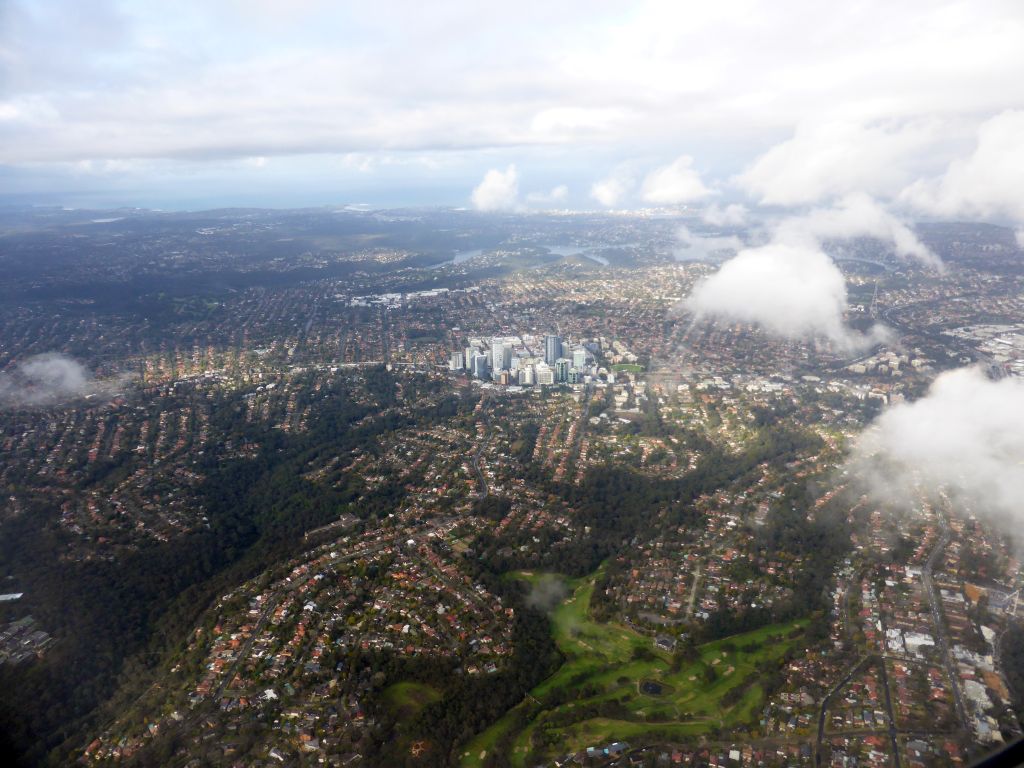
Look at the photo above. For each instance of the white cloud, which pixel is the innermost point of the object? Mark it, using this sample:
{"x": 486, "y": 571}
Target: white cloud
{"x": 498, "y": 191}
{"x": 555, "y": 195}
{"x": 674, "y": 184}
{"x": 611, "y": 191}
{"x": 357, "y": 161}
{"x": 790, "y": 286}
{"x": 989, "y": 183}
{"x": 700, "y": 248}
{"x": 542, "y": 81}
{"x": 569, "y": 123}
{"x": 827, "y": 160}
{"x": 966, "y": 435}
{"x": 856, "y": 216}
{"x": 731, "y": 215}
{"x": 794, "y": 291}
{"x": 48, "y": 379}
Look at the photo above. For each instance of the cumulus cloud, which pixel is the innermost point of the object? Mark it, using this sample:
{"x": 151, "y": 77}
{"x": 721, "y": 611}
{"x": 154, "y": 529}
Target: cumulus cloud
{"x": 790, "y": 290}
{"x": 824, "y": 161}
{"x": 611, "y": 191}
{"x": 499, "y": 190}
{"x": 790, "y": 286}
{"x": 856, "y": 215}
{"x": 732, "y": 215}
{"x": 729, "y": 75}
{"x": 47, "y": 379}
{"x": 696, "y": 247}
{"x": 674, "y": 184}
{"x": 556, "y": 195}
{"x": 988, "y": 183}
{"x": 966, "y": 436}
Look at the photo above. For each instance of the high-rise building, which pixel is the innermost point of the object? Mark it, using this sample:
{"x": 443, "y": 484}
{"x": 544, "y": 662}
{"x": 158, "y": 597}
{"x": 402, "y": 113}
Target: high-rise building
{"x": 545, "y": 375}
{"x": 526, "y": 376}
{"x": 501, "y": 354}
{"x": 552, "y": 348}
{"x": 470, "y": 351}
{"x": 561, "y": 370}
{"x": 455, "y": 362}
{"x": 480, "y": 368}
{"x": 579, "y": 358}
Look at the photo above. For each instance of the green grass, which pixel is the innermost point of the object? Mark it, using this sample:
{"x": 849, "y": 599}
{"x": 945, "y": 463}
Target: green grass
{"x": 406, "y": 699}
{"x": 628, "y": 367}
{"x": 478, "y": 749}
{"x": 600, "y": 658}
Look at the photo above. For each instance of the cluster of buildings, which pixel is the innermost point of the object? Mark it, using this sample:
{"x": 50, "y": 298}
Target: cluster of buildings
{"x": 280, "y": 651}
{"x": 22, "y": 640}
{"x": 514, "y": 360}
{"x": 682, "y": 576}
{"x": 276, "y": 645}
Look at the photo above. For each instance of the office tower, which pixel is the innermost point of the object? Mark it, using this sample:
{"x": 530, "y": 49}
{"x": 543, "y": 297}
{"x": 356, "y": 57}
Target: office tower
{"x": 561, "y": 370}
{"x": 455, "y": 362}
{"x": 575, "y": 377}
{"x": 481, "y": 369}
{"x": 469, "y": 357}
{"x": 552, "y": 348}
{"x": 545, "y": 375}
{"x": 501, "y": 354}
{"x": 526, "y": 376}
{"x": 579, "y": 358}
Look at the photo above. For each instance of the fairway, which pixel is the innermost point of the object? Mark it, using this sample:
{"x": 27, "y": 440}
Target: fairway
{"x": 615, "y": 685}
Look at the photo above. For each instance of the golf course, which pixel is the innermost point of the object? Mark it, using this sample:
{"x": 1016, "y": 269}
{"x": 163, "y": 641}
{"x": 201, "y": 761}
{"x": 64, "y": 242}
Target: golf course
{"x": 615, "y": 685}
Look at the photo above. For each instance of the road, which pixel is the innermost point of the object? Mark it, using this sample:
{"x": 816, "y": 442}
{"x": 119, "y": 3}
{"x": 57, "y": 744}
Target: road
{"x": 940, "y": 627}
{"x": 824, "y": 705}
{"x": 693, "y": 591}
{"x": 892, "y": 715}
{"x": 891, "y": 731}
{"x": 889, "y": 316}
{"x": 484, "y": 490}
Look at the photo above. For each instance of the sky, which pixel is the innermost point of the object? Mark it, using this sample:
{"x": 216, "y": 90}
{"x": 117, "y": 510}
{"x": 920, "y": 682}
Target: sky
{"x": 517, "y": 106}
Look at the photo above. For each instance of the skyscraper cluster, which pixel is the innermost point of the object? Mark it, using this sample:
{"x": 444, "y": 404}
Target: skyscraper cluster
{"x": 513, "y": 361}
